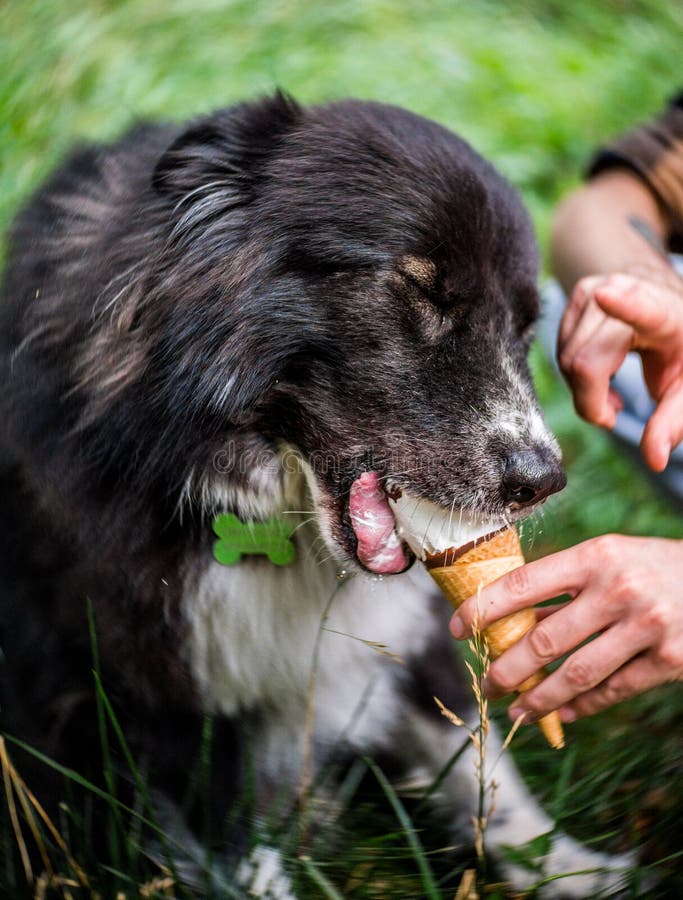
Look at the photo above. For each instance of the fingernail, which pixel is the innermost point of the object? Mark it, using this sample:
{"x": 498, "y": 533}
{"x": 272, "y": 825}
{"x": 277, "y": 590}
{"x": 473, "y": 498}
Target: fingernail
{"x": 457, "y": 627}
{"x": 567, "y": 714}
{"x": 516, "y": 712}
{"x": 491, "y": 692}
{"x": 529, "y": 717}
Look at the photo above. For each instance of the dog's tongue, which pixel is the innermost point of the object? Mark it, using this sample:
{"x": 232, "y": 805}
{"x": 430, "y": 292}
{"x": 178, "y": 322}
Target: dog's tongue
{"x": 379, "y": 547}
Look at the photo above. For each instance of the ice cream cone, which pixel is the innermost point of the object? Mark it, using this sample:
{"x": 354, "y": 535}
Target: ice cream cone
{"x": 461, "y": 574}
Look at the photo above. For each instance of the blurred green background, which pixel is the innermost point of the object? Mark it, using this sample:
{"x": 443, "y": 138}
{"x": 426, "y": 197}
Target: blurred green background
{"x": 535, "y": 86}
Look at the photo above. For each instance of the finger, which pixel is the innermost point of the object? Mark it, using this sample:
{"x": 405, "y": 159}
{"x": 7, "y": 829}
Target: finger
{"x": 559, "y": 573}
{"x": 664, "y": 429}
{"x": 615, "y": 400}
{"x": 581, "y": 672}
{"x": 542, "y": 612}
{"x": 636, "y": 677}
{"x": 589, "y": 367}
{"x": 583, "y": 291}
{"x": 589, "y": 318}
{"x": 652, "y": 310}
{"x": 550, "y": 639}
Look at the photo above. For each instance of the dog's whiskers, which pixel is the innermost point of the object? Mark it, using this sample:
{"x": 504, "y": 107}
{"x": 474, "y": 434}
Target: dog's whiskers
{"x": 303, "y": 523}
{"x": 316, "y": 548}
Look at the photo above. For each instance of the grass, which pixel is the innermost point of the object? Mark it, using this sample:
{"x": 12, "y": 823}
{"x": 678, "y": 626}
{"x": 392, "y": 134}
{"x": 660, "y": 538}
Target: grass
{"x": 534, "y": 86}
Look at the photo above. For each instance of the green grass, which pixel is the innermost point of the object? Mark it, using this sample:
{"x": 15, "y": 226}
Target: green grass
{"x": 534, "y": 86}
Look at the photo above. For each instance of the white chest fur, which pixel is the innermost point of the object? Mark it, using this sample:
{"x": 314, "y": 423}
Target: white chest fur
{"x": 253, "y": 629}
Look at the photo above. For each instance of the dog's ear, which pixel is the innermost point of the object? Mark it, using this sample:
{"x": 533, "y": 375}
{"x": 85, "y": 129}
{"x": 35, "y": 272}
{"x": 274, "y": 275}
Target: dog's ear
{"x": 226, "y": 148}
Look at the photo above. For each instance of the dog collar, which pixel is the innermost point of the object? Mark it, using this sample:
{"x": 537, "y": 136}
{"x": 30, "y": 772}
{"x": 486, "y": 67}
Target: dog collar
{"x": 271, "y": 538}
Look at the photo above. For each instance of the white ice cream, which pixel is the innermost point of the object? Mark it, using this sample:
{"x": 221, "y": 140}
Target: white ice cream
{"x": 428, "y": 528}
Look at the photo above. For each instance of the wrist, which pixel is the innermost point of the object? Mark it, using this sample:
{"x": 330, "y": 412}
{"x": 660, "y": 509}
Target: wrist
{"x": 591, "y": 233}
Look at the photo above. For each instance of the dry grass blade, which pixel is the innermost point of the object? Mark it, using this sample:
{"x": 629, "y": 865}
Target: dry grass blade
{"x": 476, "y": 686}
{"x": 478, "y": 823}
{"x": 377, "y": 646}
{"x": 33, "y": 826}
{"x": 164, "y": 885}
{"x": 467, "y": 889}
{"x": 512, "y": 732}
{"x": 16, "y": 827}
{"x": 480, "y": 649}
{"x": 27, "y": 797}
{"x": 493, "y": 787}
{"x": 383, "y": 650}
{"x": 448, "y": 714}
{"x": 45, "y": 884}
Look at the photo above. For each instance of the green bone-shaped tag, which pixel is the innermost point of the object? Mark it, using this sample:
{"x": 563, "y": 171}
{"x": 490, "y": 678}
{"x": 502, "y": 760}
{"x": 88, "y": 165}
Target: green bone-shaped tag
{"x": 235, "y": 538}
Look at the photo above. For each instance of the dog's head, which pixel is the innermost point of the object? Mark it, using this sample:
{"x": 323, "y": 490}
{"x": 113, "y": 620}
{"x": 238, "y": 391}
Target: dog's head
{"x": 355, "y": 282}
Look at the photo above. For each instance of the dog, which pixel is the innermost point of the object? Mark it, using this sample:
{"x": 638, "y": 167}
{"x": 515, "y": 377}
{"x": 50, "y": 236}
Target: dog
{"x": 272, "y": 312}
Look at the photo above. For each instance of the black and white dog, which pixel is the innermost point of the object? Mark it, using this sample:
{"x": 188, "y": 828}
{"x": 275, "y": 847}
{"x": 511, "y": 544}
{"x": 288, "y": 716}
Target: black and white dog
{"x": 272, "y": 311}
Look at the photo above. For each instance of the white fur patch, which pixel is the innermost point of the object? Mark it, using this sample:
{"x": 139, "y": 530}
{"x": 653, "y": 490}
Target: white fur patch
{"x": 518, "y": 416}
{"x": 261, "y": 874}
{"x": 253, "y": 629}
{"x": 271, "y": 484}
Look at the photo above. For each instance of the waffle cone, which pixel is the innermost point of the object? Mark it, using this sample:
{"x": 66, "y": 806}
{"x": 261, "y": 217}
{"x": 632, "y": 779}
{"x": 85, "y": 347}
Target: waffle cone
{"x": 473, "y": 570}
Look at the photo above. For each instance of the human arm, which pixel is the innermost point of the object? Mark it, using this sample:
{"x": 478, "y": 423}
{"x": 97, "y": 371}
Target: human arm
{"x": 639, "y": 175}
{"x": 625, "y": 591}
{"x": 631, "y": 300}
{"x": 635, "y": 189}
{"x": 592, "y": 231}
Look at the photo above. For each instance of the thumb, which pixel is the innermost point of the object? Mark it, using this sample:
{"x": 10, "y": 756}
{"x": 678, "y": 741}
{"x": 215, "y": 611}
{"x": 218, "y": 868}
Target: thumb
{"x": 652, "y": 310}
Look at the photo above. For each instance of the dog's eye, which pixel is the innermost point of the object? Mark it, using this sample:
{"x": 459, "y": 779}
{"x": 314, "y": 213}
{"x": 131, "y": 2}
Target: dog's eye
{"x": 418, "y": 272}
{"x": 424, "y": 289}
{"x": 526, "y": 311}
{"x": 444, "y": 302}
{"x": 433, "y": 313}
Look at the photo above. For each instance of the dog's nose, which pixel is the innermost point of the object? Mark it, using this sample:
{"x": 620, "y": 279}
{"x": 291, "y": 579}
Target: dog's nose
{"x": 531, "y": 475}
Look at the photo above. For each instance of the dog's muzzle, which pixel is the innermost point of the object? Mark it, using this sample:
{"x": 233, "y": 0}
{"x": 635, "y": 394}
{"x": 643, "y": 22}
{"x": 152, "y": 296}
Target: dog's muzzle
{"x": 530, "y": 476}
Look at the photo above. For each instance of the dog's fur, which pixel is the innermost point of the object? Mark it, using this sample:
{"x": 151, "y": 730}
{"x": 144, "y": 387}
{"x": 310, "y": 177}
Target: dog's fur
{"x": 242, "y": 315}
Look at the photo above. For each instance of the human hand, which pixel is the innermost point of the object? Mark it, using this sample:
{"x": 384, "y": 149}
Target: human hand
{"x": 608, "y": 316}
{"x": 625, "y": 590}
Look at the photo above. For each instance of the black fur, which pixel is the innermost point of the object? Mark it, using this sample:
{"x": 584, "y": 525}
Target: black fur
{"x": 224, "y": 288}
